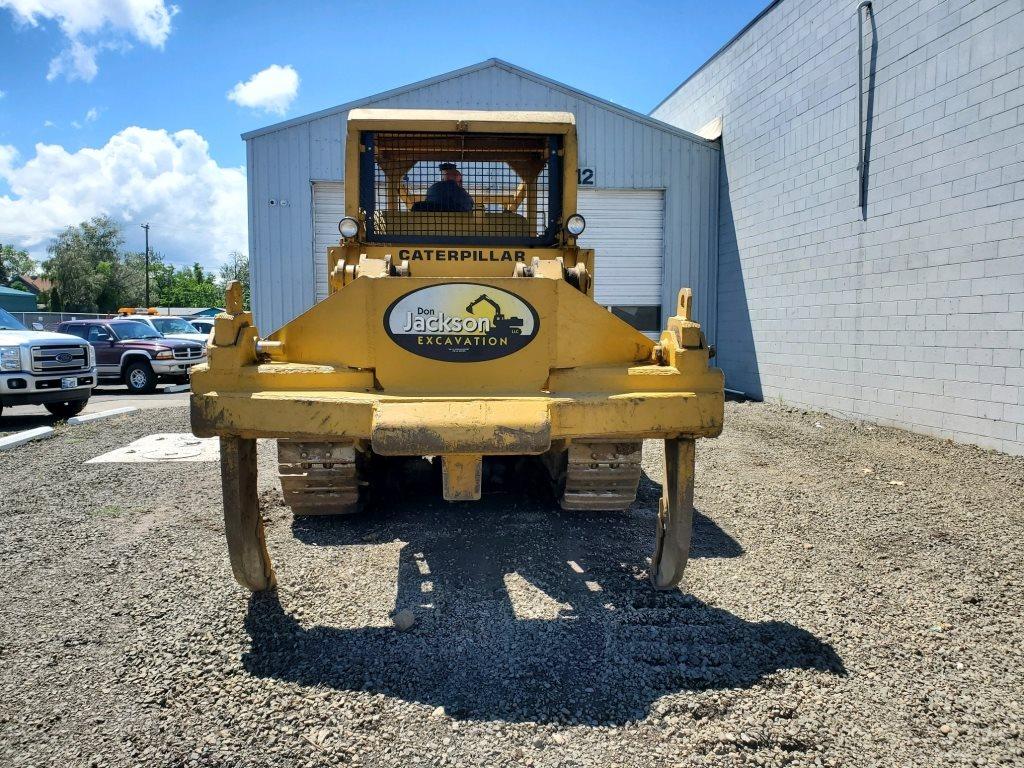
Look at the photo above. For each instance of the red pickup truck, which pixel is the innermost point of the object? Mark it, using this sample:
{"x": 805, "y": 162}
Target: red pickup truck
{"x": 135, "y": 354}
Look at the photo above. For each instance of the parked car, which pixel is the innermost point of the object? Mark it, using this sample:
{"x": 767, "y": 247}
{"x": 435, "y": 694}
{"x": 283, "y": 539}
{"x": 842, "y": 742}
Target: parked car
{"x": 135, "y": 354}
{"x": 171, "y": 327}
{"x": 202, "y": 324}
{"x": 54, "y": 370}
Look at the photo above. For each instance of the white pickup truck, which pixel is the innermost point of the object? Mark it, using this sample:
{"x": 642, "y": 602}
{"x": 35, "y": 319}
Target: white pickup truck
{"x": 55, "y": 370}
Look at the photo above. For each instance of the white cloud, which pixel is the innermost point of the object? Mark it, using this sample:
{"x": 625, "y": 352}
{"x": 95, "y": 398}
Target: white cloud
{"x": 90, "y": 117}
{"x": 197, "y": 208}
{"x": 8, "y": 155}
{"x": 2, "y": 94}
{"x": 270, "y": 90}
{"x": 76, "y": 62}
{"x": 49, "y": 124}
{"x": 91, "y": 25}
{"x": 149, "y": 21}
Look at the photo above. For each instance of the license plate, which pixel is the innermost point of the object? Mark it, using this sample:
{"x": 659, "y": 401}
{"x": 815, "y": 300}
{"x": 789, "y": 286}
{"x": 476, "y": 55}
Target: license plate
{"x": 68, "y": 382}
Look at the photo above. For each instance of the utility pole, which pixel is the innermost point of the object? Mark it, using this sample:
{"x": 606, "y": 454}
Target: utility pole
{"x": 146, "y": 227}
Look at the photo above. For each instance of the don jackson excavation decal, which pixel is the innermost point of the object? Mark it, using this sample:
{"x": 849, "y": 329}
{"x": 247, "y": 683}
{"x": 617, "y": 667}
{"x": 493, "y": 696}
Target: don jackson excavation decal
{"x": 461, "y": 322}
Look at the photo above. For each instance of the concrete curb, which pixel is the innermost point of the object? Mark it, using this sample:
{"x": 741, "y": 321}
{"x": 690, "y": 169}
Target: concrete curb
{"x": 27, "y": 435}
{"x": 177, "y": 388}
{"x": 101, "y": 415}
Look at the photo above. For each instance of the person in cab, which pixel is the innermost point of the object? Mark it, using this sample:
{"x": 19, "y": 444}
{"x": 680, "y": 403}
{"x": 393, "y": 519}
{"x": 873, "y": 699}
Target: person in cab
{"x": 446, "y": 195}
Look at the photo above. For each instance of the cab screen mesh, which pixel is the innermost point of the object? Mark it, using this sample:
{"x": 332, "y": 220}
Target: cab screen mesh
{"x": 461, "y": 188}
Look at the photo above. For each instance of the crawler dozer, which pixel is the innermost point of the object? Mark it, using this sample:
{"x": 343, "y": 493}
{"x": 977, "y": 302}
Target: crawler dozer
{"x": 460, "y": 324}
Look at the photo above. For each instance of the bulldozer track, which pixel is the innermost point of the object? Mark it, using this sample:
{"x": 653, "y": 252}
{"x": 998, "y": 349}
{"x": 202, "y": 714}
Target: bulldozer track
{"x": 601, "y": 475}
{"x": 319, "y": 478}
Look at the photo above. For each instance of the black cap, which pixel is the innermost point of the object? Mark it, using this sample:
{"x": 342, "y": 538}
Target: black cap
{"x": 447, "y": 167}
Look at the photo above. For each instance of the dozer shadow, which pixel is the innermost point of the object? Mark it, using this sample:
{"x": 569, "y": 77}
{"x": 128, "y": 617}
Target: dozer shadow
{"x": 598, "y": 646}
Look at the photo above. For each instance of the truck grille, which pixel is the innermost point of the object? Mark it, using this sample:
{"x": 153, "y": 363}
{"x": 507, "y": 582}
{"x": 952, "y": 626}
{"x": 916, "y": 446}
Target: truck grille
{"x": 70, "y": 358}
{"x": 189, "y": 353}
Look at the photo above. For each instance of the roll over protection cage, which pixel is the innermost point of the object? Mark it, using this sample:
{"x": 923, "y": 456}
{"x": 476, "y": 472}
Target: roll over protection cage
{"x": 514, "y": 183}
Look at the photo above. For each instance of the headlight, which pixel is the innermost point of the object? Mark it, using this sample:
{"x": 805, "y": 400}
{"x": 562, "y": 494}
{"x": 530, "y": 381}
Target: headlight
{"x": 348, "y": 227}
{"x": 10, "y": 358}
{"x": 91, "y": 355}
{"x": 575, "y": 225}
{"x": 165, "y": 354}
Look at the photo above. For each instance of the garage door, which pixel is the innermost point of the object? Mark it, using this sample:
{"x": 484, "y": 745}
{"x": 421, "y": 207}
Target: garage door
{"x": 626, "y": 229}
{"x": 328, "y": 209}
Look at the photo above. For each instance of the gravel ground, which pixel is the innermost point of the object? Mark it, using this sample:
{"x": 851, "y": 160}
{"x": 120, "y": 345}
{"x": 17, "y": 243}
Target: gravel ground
{"x": 854, "y": 599}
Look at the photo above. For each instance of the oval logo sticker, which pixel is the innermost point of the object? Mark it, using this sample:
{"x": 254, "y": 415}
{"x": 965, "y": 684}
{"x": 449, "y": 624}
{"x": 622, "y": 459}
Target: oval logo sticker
{"x": 461, "y": 322}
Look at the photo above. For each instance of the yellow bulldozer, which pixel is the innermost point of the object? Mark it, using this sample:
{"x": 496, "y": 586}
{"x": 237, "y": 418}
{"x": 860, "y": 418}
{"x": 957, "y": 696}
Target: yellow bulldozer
{"x": 460, "y": 324}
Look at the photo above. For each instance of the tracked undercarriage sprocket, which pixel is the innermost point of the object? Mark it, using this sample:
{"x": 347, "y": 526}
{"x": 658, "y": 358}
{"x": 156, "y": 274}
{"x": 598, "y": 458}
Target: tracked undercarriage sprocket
{"x": 321, "y": 478}
{"x": 598, "y": 475}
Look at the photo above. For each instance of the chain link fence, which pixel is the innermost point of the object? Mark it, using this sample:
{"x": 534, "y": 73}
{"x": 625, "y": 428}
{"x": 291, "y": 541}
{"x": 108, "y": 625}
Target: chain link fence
{"x": 48, "y": 321}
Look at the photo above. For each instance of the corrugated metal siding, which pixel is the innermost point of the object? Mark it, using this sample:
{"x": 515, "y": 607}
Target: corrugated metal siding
{"x": 625, "y": 227}
{"x": 328, "y": 208}
{"x": 281, "y": 228}
{"x": 624, "y": 152}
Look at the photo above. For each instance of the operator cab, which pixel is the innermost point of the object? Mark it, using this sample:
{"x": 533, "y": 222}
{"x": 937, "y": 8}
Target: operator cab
{"x": 479, "y": 188}
{"x": 479, "y": 195}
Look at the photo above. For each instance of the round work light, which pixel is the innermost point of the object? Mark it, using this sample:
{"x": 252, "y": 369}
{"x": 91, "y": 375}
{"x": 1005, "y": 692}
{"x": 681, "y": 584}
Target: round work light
{"x": 348, "y": 227}
{"x": 575, "y": 225}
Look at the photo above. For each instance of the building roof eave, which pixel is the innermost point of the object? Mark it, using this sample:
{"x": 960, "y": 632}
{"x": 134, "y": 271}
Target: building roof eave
{"x": 718, "y": 53}
{"x": 639, "y": 117}
{"x": 349, "y": 105}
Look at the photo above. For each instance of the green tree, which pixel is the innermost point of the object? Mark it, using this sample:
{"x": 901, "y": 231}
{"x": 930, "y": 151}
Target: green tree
{"x": 236, "y": 268}
{"x": 85, "y": 266}
{"x": 91, "y": 273}
{"x": 14, "y": 262}
{"x": 161, "y": 278}
{"x": 191, "y": 287}
{"x": 160, "y": 274}
{"x": 121, "y": 285}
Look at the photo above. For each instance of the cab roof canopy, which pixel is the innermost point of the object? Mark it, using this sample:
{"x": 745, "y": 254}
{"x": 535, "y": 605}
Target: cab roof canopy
{"x": 462, "y": 120}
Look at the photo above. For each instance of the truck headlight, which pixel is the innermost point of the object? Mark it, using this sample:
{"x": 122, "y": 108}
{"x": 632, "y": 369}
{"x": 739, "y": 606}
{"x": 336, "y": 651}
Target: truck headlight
{"x": 348, "y": 227}
{"x": 10, "y": 358}
{"x": 90, "y": 355}
{"x": 575, "y": 225}
{"x": 165, "y": 354}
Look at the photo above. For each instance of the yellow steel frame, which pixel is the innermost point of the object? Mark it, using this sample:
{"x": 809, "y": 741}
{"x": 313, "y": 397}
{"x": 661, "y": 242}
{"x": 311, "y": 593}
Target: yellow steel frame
{"x": 587, "y": 373}
{"x": 334, "y": 374}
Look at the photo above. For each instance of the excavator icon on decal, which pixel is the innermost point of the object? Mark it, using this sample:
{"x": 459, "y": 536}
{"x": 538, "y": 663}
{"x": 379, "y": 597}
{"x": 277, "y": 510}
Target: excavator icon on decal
{"x": 513, "y": 326}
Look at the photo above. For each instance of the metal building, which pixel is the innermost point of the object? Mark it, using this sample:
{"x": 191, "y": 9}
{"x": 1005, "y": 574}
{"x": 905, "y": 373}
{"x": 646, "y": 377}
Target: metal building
{"x": 14, "y": 300}
{"x": 647, "y": 189}
{"x": 871, "y": 236}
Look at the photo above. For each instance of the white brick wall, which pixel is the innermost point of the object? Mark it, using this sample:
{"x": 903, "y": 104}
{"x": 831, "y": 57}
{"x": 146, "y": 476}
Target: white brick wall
{"x": 913, "y": 316}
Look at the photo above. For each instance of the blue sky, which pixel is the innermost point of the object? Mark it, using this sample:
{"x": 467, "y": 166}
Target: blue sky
{"x": 130, "y": 97}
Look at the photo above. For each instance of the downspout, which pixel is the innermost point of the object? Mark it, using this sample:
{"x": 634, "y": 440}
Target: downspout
{"x": 865, "y": 5}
